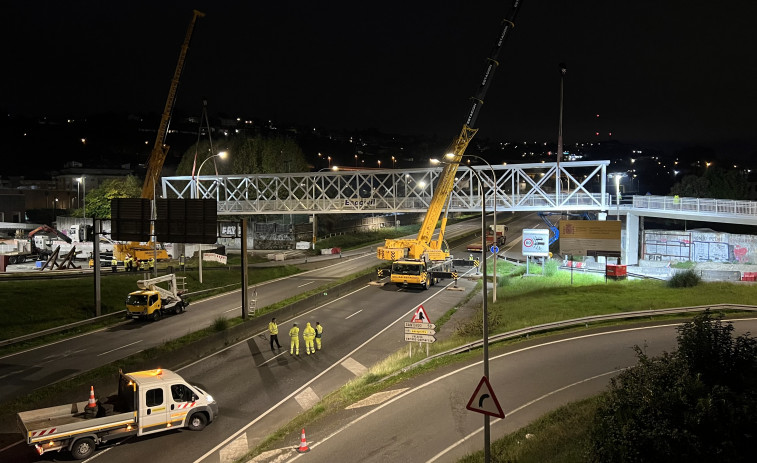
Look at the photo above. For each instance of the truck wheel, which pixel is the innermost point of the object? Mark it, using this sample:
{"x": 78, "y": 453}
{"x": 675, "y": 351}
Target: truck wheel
{"x": 21, "y": 259}
{"x": 177, "y": 309}
{"x": 197, "y": 422}
{"x": 12, "y": 260}
{"x": 83, "y": 448}
{"x": 156, "y": 315}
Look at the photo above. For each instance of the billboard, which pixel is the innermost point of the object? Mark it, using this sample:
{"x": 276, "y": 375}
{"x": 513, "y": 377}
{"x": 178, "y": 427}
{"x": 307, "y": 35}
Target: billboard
{"x": 590, "y": 237}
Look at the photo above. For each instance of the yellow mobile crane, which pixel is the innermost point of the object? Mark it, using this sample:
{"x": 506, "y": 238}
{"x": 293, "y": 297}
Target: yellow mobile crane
{"x": 158, "y": 156}
{"x": 421, "y": 261}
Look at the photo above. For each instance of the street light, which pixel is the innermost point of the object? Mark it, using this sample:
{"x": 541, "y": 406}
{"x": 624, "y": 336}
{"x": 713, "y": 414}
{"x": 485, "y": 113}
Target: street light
{"x": 329, "y": 158}
{"x": 485, "y": 308}
{"x": 356, "y": 160}
{"x": 221, "y": 155}
{"x": 83, "y": 183}
{"x": 494, "y": 176}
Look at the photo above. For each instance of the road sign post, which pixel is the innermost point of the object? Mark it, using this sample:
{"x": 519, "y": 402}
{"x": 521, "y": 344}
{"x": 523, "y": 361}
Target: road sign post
{"x": 419, "y": 330}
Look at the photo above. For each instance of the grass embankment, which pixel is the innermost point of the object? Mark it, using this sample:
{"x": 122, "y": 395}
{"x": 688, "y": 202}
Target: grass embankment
{"x": 35, "y": 305}
{"x": 523, "y": 302}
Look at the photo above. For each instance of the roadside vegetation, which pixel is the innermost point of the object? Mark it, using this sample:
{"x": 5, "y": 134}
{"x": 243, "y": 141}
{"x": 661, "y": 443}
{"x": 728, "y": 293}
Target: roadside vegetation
{"x": 523, "y": 301}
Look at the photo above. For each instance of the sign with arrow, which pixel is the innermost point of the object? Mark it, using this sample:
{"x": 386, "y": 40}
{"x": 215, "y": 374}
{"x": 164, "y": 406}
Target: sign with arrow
{"x": 419, "y": 338}
{"x": 484, "y": 401}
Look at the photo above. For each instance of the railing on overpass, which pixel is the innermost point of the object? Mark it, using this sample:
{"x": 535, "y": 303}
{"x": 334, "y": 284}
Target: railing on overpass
{"x": 574, "y": 186}
{"x": 700, "y": 209}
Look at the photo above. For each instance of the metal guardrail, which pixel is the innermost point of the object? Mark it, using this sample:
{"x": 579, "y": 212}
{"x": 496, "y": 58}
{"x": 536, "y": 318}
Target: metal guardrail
{"x": 574, "y": 322}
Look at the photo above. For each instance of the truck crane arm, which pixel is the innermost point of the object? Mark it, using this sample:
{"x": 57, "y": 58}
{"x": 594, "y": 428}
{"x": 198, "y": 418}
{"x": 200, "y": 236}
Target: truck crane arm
{"x": 160, "y": 149}
{"x": 49, "y": 230}
{"x": 422, "y": 245}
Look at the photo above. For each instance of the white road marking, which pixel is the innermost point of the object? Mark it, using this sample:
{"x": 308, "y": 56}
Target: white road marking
{"x": 355, "y": 367}
{"x": 308, "y": 283}
{"x": 354, "y": 314}
{"x": 275, "y": 356}
{"x": 307, "y": 398}
{"x": 117, "y": 348}
{"x": 234, "y": 450}
{"x": 376, "y": 398}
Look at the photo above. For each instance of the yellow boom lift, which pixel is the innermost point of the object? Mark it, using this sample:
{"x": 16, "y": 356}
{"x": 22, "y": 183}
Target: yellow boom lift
{"x": 422, "y": 261}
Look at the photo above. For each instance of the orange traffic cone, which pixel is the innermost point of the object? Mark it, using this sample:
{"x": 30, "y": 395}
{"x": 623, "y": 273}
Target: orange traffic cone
{"x": 303, "y": 444}
{"x": 92, "y": 403}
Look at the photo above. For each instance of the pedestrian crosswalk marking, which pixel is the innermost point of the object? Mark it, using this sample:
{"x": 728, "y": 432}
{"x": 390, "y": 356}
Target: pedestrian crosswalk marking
{"x": 234, "y": 450}
{"x": 354, "y": 366}
{"x": 307, "y": 398}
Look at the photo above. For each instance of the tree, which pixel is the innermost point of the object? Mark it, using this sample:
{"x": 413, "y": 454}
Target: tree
{"x": 247, "y": 155}
{"x": 695, "y": 404}
{"x": 98, "y": 200}
{"x": 715, "y": 183}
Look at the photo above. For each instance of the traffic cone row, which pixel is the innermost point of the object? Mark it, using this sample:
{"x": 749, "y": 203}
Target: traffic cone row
{"x": 303, "y": 443}
{"x": 92, "y": 403}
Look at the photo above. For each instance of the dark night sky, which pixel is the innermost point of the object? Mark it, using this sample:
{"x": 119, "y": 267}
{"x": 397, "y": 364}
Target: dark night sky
{"x": 678, "y": 71}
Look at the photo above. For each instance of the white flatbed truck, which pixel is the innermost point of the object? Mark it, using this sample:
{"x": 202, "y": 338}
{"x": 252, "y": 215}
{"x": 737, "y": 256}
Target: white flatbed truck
{"x": 148, "y": 402}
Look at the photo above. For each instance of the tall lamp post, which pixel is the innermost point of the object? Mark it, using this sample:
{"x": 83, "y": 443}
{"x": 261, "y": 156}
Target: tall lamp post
{"x": 221, "y": 155}
{"x": 83, "y": 183}
{"x": 485, "y": 307}
{"x": 494, "y": 176}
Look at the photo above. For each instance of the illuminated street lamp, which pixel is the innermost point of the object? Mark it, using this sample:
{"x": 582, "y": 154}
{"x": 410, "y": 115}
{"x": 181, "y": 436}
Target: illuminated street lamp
{"x": 356, "y": 160}
{"x": 329, "y": 158}
{"x": 485, "y": 307}
{"x": 221, "y": 155}
{"x": 494, "y": 218}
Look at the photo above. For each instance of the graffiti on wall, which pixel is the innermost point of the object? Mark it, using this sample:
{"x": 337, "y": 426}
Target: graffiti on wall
{"x": 699, "y": 246}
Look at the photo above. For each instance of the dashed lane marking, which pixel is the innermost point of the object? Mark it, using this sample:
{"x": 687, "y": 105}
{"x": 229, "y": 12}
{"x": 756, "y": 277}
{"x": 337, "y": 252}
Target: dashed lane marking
{"x": 307, "y": 398}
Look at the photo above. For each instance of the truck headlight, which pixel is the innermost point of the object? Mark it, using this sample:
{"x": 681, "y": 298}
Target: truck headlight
{"x": 209, "y": 398}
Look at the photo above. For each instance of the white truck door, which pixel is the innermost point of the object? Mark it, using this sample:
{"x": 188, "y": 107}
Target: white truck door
{"x": 153, "y": 410}
{"x": 181, "y": 401}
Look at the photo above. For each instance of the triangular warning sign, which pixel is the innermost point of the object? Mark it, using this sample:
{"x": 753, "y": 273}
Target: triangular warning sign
{"x": 420, "y": 316}
{"x": 484, "y": 401}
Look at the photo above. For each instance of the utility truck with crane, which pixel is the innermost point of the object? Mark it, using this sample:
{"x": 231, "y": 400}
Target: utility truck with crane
{"x": 147, "y": 402}
{"x": 422, "y": 261}
{"x": 151, "y": 301}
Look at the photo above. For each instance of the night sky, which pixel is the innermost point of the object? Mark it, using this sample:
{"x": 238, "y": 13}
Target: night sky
{"x": 679, "y": 71}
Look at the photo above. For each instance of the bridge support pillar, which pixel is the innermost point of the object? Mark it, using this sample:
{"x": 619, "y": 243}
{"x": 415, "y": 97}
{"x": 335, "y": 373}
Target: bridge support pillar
{"x": 630, "y": 246}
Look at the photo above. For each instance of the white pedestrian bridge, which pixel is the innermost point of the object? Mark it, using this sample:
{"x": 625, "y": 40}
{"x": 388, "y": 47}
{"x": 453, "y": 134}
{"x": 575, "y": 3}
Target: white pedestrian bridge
{"x": 580, "y": 186}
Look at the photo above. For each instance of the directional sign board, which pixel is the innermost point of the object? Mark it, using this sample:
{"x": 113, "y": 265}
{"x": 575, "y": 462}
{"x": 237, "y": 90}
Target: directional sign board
{"x": 419, "y": 338}
{"x": 420, "y": 326}
{"x": 484, "y": 401}
{"x": 494, "y": 249}
{"x": 417, "y": 331}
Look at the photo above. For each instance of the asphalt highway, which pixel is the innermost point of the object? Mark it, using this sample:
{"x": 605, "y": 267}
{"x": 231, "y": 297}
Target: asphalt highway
{"x": 426, "y": 420}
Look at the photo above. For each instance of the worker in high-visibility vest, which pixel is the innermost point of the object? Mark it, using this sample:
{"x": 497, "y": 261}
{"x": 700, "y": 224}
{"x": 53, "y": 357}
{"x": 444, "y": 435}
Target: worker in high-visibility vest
{"x": 318, "y": 334}
{"x": 273, "y": 333}
{"x": 114, "y": 264}
{"x": 294, "y": 336}
{"x": 308, "y": 334}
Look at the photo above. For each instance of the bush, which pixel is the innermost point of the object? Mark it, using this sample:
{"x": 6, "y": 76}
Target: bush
{"x": 686, "y": 279}
{"x": 220, "y": 323}
{"x": 695, "y": 404}
{"x": 551, "y": 267}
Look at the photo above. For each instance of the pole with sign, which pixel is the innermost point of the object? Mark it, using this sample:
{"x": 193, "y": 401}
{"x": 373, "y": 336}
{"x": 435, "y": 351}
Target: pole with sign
{"x": 419, "y": 329}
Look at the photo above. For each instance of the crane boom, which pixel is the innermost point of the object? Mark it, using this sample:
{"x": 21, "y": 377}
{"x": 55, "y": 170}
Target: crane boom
{"x": 423, "y": 246}
{"x": 160, "y": 149}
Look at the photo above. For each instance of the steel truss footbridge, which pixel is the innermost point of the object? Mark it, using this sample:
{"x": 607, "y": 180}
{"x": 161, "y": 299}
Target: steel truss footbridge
{"x": 573, "y": 186}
